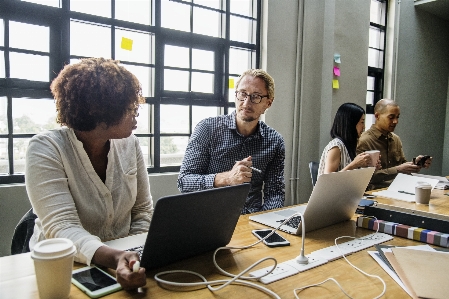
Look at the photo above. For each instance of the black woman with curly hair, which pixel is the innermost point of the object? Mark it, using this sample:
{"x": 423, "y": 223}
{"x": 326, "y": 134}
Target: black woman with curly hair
{"x": 87, "y": 181}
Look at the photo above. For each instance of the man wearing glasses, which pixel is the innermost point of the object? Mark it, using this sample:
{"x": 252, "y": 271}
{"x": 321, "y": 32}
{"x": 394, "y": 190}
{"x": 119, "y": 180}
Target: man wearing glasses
{"x": 239, "y": 148}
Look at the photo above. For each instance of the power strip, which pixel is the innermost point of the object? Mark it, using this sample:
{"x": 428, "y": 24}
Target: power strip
{"x": 319, "y": 257}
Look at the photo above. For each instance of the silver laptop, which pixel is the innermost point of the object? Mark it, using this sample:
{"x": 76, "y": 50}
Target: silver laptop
{"x": 334, "y": 199}
{"x": 187, "y": 224}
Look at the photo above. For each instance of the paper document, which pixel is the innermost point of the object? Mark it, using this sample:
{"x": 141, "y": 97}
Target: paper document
{"x": 403, "y": 187}
{"x": 443, "y": 183}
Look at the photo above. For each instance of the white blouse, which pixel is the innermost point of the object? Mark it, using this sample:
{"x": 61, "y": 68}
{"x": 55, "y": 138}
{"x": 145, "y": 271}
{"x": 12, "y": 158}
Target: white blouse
{"x": 70, "y": 199}
{"x": 344, "y": 155}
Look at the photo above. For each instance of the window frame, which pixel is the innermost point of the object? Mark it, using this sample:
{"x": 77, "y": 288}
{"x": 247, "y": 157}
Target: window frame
{"x": 58, "y": 20}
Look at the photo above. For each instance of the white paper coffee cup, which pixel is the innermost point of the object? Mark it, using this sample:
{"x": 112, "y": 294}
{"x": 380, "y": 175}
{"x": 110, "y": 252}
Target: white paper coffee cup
{"x": 53, "y": 264}
{"x": 422, "y": 193}
{"x": 374, "y": 154}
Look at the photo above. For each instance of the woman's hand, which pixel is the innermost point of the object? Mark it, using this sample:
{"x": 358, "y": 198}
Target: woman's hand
{"x": 378, "y": 164}
{"x": 123, "y": 262}
{"x": 361, "y": 160}
{"x": 125, "y": 276}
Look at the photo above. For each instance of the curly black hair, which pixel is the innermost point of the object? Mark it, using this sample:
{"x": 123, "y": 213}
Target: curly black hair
{"x": 94, "y": 91}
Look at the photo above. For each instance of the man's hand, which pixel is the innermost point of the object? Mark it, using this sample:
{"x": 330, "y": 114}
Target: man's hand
{"x": 427, "y": 163}
{"x": 239, "y": 174}
{"x": 408, "y": 168}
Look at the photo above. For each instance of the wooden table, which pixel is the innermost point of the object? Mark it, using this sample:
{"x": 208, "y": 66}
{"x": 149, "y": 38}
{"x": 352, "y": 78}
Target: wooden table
{"x": 17, "y": 278}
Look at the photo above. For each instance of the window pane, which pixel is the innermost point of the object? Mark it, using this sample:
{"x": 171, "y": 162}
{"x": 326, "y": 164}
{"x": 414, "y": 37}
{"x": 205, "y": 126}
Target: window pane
{"x": 21, "y": 64}
{"x": 202, "y": 82}
{"x": 134, "y": 46}
{"x": 137, "y": 11}
{"x": 174, "y": 119}
{"x": 370, "y": 98}
{"x": 176, "y": 56}
{"x": 206, "y": 22}
{"x": 175, "y": 15}
{"x": 29, "y": 37}
{"x": 209, "y": 3}
{"x": 3, "y": 119}
{"x": 376, "y": 38}
{"x": 54, "y": 3}
{"x": 201, "y": 112}
{"x": 2, "y": 65}
{"x": 203, "y": 60}
{"x": 377, "y": 12}
{"x": 240, "y": 60}
{"x": 176, "y": 80}
{"x": 2, "y": 33}
{"x": 33, "y": 115}
{"x": 242, "y": 30}
{"x": 19, "y": 151}
{"x": 146, "y": 146}
{"x": 232, "y": 88}
{"x": 172, "y": 150}
{"x": 145, "y": 75}
{"x": 370, "y": 119}
{"x": 370, "y": 83}
{"x": 4, "y": 164}
{"x": 243, "y": 7}
{"x": 145, "y": 121}
{"x": 96, "y": 7}
{"x": 375, "y": 58}
{"x": 95, "y": 44}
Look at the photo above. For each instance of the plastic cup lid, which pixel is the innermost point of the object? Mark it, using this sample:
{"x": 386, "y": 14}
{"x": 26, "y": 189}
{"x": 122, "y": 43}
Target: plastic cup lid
{"x": 53, "y": 249}
{"x": 423, "y": 185}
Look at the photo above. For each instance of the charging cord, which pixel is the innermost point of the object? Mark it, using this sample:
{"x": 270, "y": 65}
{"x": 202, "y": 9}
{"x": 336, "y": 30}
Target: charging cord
{"x": 295, "y": 291}
{"x": 235, "y": 279}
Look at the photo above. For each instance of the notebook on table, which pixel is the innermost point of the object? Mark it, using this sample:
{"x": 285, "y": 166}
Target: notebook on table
{"x": 187, "y": 224}
{"x": 334, "y": 199}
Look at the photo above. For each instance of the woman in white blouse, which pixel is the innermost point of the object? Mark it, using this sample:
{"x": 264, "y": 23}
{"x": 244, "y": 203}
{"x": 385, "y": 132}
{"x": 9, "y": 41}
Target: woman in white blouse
{"x": 87, "y": 181}
{"x": 340, "y": 152}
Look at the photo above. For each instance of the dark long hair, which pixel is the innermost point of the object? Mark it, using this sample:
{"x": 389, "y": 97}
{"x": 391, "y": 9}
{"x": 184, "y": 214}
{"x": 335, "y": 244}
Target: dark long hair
{"x": 344, "y": 127}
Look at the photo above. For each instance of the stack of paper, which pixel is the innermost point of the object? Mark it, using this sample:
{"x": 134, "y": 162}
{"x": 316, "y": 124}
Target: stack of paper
{"x": 420, "y": 270}
{"x": 443, "y": 182}
{"x": 403, "y": 187}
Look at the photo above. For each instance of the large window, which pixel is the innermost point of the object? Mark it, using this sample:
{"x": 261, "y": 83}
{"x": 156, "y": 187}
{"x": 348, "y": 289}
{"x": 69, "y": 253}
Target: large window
{"x": 376, "y": 57}
{"x": 186, "y": 54}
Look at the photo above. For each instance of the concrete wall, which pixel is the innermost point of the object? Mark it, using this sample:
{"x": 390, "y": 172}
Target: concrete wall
{"x": 422, "y": 85}
{"x": 300, "y": 59}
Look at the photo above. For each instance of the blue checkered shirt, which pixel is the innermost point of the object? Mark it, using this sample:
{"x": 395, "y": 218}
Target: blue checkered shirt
{"x": 214, "y": 147}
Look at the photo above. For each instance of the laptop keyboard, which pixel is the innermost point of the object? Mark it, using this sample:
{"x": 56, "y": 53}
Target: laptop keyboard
{"x": 294, "y": 222}
{"x": 138, "y": 249}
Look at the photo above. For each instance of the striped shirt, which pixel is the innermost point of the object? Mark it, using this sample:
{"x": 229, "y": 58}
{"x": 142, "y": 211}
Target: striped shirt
{"x": 344, "y": 155}
{"x": 214, "y": 147}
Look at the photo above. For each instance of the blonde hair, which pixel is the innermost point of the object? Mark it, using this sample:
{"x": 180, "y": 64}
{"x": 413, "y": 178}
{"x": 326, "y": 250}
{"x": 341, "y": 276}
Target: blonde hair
{"x": 259, "y": 73}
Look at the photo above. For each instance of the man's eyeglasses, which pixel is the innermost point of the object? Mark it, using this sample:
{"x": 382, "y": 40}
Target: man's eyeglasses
{"x": 254, "y": 98}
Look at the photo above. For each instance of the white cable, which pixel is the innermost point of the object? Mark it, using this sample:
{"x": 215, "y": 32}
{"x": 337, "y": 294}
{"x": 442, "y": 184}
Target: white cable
{"x": 358, "y": 269}
{"x": 236, "y": 279}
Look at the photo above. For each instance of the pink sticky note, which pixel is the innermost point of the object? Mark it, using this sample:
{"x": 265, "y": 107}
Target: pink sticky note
{"x": 336, "y": 71}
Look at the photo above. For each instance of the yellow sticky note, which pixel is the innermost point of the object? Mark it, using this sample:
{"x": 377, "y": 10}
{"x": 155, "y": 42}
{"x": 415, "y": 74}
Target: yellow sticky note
{"x": 127, "y": 44}
{"x": 335, "y": 84}
{"x": 231, "y": 83}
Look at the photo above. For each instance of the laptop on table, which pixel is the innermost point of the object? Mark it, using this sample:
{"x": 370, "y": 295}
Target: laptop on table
{"x": 188, "y": 224}
{"x": 334, "y": 199}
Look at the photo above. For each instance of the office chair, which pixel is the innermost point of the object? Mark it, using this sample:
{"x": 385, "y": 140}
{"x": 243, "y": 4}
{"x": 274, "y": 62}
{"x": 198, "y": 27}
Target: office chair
{"x": 313, "y": 167}
{"x": 22, "y": 233}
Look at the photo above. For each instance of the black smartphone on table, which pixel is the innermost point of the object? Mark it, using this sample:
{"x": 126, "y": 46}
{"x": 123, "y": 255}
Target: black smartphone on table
{"x": 275, "y": 240}
{"x": 95, "y": 282}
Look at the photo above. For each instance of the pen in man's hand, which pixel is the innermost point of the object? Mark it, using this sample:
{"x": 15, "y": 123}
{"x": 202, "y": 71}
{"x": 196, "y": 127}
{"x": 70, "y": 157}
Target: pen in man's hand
{"x": 253, "y": 168}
